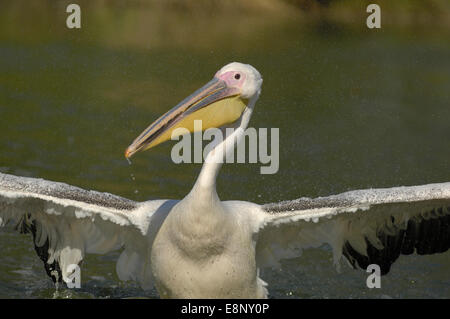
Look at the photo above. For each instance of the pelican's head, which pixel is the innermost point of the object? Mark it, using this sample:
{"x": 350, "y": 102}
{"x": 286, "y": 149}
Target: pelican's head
{"x": 221, "y": 101}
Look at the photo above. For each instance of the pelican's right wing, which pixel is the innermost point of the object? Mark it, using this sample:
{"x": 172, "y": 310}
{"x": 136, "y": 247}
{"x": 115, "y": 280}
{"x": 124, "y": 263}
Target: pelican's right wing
{"x": 372, "y": 226}
{"x": 67, "y": 222}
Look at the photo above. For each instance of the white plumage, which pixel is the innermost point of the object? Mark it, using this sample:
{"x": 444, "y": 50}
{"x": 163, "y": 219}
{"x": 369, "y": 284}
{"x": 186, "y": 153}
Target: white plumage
{"x": 201, "y": 247}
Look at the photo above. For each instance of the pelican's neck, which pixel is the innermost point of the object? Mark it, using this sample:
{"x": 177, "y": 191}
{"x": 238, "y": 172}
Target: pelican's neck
{"x": 206, "y": 181}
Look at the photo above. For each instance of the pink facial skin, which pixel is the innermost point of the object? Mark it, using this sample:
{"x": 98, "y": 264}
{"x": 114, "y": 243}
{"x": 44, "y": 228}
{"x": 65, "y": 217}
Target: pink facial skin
{"x": 232, "y": 78}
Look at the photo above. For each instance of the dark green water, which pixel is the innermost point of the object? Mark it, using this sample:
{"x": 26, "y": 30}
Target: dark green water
{"x": 355, "y": 108}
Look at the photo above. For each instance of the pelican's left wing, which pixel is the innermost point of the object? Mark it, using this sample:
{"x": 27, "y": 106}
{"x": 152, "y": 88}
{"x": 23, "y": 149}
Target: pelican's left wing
{"x": 371, "y": 226}
{"x": 67, "y": 222}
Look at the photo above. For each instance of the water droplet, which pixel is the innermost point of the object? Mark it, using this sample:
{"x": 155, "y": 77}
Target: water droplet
{"x": 128, "y": 160}
{"x": 136, "y": 191}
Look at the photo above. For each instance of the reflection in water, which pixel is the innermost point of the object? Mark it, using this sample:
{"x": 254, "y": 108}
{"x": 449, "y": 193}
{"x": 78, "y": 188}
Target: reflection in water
{"x": 355, "y": 108}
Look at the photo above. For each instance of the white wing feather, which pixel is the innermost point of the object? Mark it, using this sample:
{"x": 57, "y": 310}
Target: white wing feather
{"x": 70, "y": 222}
{"x": 366, "y": 226}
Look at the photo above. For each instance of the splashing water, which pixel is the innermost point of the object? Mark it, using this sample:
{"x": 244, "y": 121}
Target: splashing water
{"x": 134, "y": 179}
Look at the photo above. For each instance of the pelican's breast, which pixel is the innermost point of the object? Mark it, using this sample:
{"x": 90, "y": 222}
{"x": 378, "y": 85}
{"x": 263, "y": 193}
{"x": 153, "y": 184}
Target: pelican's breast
{"x": 209, "y": 257}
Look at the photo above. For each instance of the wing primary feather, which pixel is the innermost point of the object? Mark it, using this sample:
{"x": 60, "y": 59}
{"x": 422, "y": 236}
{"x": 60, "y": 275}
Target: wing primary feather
{"x": 53, "y": 269}
{"x": 423, "y": 235}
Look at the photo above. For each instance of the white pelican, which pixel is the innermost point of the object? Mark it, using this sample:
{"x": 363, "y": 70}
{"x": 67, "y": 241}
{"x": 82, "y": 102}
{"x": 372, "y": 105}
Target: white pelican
{"x": 201, "y": 247}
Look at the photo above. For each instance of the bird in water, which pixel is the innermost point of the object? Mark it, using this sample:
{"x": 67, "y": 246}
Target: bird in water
{"x": 202, "y": 247}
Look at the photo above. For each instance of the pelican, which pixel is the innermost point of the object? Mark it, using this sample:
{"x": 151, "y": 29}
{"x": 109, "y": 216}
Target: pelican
{"x": 202, "y": 247}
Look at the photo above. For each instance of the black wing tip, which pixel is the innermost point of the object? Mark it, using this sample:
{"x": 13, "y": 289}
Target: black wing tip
{"x": 422, "y": 236}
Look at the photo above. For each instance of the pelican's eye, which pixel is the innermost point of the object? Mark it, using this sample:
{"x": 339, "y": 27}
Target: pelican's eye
{"x": 237, "y": 76}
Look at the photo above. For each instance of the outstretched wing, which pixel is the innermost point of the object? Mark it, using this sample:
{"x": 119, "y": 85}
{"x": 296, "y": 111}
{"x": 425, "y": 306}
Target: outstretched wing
{"x": 371, "y": 226}
{"x": 67, "y": 222}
